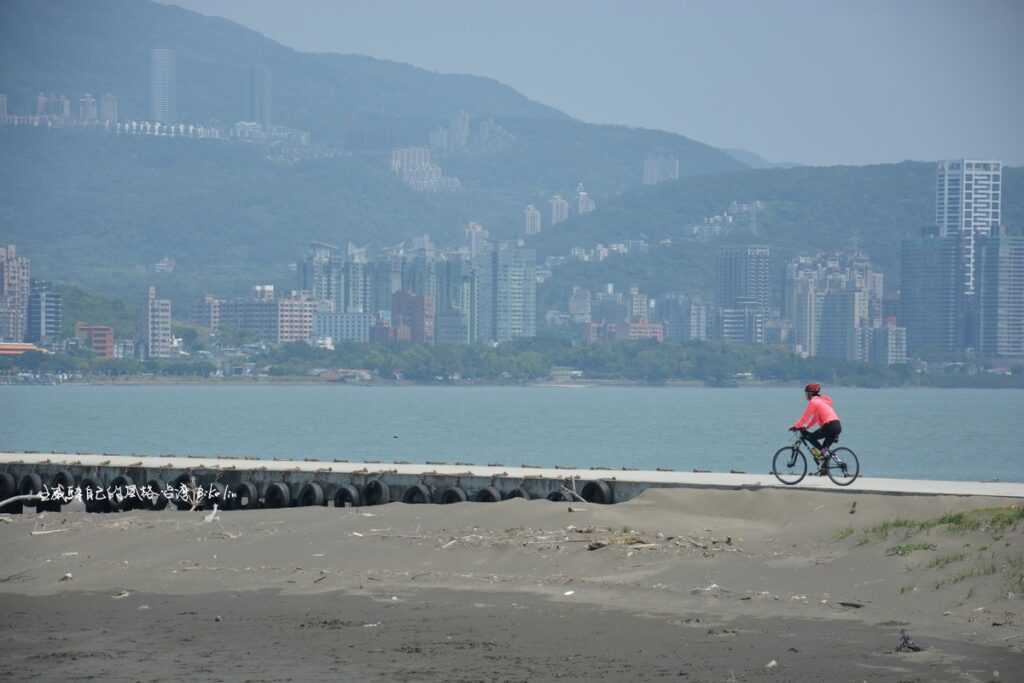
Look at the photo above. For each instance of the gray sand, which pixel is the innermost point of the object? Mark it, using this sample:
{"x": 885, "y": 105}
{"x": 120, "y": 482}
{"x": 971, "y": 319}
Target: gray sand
{"x": 698, "y": 585}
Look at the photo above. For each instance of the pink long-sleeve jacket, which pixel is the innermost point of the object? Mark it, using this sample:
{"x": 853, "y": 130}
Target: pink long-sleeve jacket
{"x": 819, "y": 412}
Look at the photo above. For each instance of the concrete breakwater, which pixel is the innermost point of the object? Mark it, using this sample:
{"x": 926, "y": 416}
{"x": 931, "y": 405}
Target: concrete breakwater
{"x": 109, "y": 482}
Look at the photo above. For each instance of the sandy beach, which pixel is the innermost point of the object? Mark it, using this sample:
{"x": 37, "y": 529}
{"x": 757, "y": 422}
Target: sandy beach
{"x": 779, "y": 585}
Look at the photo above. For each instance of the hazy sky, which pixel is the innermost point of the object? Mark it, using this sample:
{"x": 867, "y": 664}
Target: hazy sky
{"x": 792, "y": 80}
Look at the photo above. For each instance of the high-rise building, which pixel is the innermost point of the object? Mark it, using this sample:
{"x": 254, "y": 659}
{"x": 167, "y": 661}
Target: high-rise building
{"x": 584, "y": 203}
{"x": 515, "y": 292}
{"x": 559, "y": 209}
{"x": 842, "y": 336}
{"x": 637, "y": 304}
{"x": 87, "y": 109}
{"x": 968, "y": 203}
{"x": 45, "y": 313}
{"x": 932, "y": 300}
{"x": 109, "y": 109}
{"x": 3, "y": 108}
{"x": 660, "y": 168}
{"x": 580, "y": 305}
{"x": 476, "y": 239}
{"x": 15, "y": 287}
{"x": 156, "y": 335}
{"x": 322, "y": 274}
{"x": 412, "y": 317}
{"x": 889, "y": 345}
{"x": 162, "y": 86}
{"x": 742, "y": 325}
{"x": 259, "y": 96}
{"x": 1000, "y": 292}
{"x": 743, "y": 276}
{"x": 343, "y": 327}
{"x": 206, "y": 312}
{"x": 533, "y": 220}
{"x": 458, "y": 132}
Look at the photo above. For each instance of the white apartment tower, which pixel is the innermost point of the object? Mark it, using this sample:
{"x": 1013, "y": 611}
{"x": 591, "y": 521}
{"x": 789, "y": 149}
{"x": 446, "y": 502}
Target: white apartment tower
{"x": 162, "y": 86}
{"x": 559, "y": 209}
{"x": 156, "y": 331}
{"x": 533, "y": 220}
{"x": 968, "y": 200}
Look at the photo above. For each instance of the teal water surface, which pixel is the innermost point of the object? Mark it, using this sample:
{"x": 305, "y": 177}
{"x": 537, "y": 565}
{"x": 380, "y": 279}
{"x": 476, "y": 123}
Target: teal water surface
{"x": 919, "y": 433}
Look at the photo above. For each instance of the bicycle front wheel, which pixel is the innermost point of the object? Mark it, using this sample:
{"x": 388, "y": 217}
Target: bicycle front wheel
{"x": 789, "y": 465}
{"x": 843, "y": 467}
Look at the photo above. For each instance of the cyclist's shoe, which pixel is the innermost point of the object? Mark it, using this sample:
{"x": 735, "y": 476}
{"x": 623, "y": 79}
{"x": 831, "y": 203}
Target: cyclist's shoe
{"x": 823, "y": 470}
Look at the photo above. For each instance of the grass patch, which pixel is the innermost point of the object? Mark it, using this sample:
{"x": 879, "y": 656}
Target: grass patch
{"x": 843, "y": 534}
{"x": 905, "y": 549}
{"x": 994, "y": 520}
{"x": 980, "y": 570}
{"x": 946, "y": 560}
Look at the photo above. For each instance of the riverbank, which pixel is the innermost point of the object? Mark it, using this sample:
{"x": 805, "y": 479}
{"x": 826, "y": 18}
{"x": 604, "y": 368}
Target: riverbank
{"x": 709, "y": 585}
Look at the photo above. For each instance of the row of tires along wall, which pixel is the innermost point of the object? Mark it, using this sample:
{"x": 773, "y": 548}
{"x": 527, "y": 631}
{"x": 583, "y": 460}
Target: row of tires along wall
{"x": 263, "y": 489}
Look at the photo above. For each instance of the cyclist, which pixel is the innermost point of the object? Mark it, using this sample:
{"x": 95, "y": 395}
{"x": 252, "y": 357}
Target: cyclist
{"x": 821, "y": 413}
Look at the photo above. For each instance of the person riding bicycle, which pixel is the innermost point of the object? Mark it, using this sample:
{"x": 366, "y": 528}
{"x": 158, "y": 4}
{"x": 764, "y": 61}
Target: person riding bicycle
{"x": 819, "y": 412}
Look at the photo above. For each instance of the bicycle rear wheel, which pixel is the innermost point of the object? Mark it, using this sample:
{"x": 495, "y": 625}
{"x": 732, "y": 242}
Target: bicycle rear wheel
{"x": 843, "y": 467}
{"x": 789, "y": 465}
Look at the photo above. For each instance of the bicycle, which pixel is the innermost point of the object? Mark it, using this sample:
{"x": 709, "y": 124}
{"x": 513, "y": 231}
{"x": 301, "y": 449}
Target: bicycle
{"x": 789, "y": 465}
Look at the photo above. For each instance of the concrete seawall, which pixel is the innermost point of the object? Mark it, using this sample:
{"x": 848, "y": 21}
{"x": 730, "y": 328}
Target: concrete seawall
{"x": 246, "y": 483}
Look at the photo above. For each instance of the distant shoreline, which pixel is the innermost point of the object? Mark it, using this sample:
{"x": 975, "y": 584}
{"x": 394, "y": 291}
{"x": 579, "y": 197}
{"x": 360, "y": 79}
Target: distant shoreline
{"x": 584, "y": 384}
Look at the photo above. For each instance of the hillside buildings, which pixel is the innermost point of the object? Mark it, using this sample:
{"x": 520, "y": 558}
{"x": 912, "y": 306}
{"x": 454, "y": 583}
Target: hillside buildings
{"x": 162, "y": 86}
{"x": 660, "y": 168}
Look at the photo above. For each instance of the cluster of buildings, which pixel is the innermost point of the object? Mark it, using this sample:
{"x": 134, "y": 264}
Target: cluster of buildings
{"x": 483, "y": 292}
{"x": 461, "y": 135}
{"x": 963, "y": 278}
{"x": 32, "y": 312}
{"x": 961, "y": 290}
{"x": 415, "y": 167}
{"x": 56, "y": 110}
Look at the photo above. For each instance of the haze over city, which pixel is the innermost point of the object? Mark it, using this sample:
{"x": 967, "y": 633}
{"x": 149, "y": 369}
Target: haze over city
{"x": 471, "y": 341}
{"x": 795, "y": 81}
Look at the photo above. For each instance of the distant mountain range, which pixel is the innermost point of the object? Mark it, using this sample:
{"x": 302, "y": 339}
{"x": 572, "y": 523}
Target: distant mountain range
{"x": 99, "y": 210}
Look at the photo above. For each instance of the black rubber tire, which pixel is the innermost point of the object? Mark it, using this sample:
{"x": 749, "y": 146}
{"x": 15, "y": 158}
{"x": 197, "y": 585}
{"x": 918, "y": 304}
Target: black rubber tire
{"x": 519, "y": 492}
{"x": 839, "y": 475}
{"x": 9, "y": 489}
{"x": 29, "y": 484}
{"x": 63, "y": 478}
{"x": 488, "y": 494}
{"x": 311, "y": 493}
{"x": 216, "y": 492}
{"x": 94, "y": 505}
{"x": 598, "y": 492}
{"x": 376, "y": 492}
{"x": 453, "y": 494}
{"x": 417, "y": 494}
{"x": 246, "y": 496}
{"x": 781, "y": 460}
{"x": 557, "y": 496}
{"x": 189, "y": 481}
{"x": 347, "y": 495}
{"x": 277, "y": 495}
{"x": 159, "y": 501}
{"x": 123, "y": 482}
